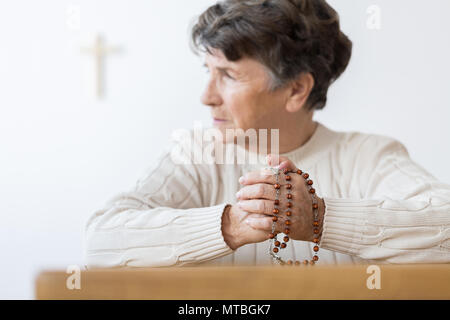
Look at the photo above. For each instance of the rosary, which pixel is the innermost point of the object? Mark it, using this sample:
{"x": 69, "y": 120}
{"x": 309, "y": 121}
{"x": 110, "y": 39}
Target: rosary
{"x": 276, "y": 245}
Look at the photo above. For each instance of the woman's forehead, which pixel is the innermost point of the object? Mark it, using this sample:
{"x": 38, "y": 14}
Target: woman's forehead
{"x": 244, "y": 65}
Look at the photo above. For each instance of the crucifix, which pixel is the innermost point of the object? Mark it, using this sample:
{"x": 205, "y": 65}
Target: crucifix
{"x": 99, "y": 51}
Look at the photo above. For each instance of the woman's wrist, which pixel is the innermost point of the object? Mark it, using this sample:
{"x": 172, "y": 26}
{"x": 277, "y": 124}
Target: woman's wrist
{"x": 227, "y": 234}
{"x": 321, "y": 217}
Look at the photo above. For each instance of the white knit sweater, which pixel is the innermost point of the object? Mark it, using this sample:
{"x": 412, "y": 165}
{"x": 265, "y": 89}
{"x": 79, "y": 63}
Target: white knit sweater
{"x": 381, "y": 207}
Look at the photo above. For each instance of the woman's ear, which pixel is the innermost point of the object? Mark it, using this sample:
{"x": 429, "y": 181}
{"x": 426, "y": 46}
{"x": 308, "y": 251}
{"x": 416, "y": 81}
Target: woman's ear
{"x": 300, "y": 91}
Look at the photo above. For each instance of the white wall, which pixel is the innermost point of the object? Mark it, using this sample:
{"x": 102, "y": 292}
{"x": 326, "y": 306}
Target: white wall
{"x": 64, "y": 153}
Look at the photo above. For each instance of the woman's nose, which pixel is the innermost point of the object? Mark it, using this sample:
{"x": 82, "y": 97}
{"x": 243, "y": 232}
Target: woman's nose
{"x": 211, "y": 97}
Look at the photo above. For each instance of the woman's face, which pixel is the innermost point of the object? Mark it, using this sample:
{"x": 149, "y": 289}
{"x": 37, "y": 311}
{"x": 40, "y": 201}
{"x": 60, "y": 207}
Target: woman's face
{"x": 238, "y": 94}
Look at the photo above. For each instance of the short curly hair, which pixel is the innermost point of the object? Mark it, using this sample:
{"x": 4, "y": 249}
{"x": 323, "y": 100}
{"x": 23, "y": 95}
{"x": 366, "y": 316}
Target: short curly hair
{"x": 289, "y": 37}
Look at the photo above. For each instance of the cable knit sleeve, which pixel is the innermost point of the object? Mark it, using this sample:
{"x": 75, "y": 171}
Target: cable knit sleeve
{"x": 403, "y": 217}
{"x": 165, "y": 220}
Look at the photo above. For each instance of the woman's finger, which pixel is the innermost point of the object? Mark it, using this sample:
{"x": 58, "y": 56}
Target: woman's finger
{"x": 262, "y": 176}
{"x": 281, "y": 161}
{"x": 260, "y": 223}
{"x": 256, "y": 191}
{"x": 257, "y": 206}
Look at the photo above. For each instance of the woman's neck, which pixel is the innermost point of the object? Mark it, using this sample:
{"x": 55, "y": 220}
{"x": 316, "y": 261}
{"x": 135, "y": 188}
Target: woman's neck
{"x": 294, "y": 139}
{"x": 291, "y": 137}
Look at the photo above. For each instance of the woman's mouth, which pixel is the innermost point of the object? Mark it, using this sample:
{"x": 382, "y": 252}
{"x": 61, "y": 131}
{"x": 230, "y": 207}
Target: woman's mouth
{"x": 216, "y": 120}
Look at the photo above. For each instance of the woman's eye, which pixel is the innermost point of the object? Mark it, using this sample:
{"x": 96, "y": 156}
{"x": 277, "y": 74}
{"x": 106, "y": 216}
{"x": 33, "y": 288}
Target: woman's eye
{"x": 228, "y": 76}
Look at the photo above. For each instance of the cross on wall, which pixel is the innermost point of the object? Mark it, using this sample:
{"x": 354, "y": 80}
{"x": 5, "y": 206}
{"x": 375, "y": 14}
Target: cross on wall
{"x": 99, "y": 51}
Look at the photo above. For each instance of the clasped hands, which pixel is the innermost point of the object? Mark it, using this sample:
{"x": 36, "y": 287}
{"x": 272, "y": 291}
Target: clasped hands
{"x": 250, "y": 220}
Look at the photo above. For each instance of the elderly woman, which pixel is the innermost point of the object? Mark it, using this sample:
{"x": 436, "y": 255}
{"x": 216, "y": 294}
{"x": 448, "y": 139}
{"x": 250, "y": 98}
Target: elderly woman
{"x": 358, "y": 197}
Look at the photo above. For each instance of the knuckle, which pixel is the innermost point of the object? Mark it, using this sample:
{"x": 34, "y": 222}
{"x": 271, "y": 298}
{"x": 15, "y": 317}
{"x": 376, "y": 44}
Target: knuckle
{"x": 265, "y": 173}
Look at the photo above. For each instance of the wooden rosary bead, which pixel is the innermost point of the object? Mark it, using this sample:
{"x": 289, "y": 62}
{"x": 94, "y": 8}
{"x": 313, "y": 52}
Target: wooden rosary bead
{"x": 275, "y": 250}
{"x": 289, "y": 186}
{"x": 305, "y": 262}
{"x": 306, "y": 176}
{"x": 288, "y": 222}
{"x": 288, "y": 178}
{"x": 316, "y": 231}
{"x": 310, "y": 182}
{"x": 289, "y": 262}
{"x": 316, "y": 224}
{"x": 299, "y": 171}
{"x": 312, "y": 262}
{"x": 315, "y": 258}
{"x": 277, "y": 243}
{"x": 277, "y": 186}
{"x": 275, "y": 211}
{"x": 277, "y": 202}
{"x": 316, "y": 240}
{"x": 297, "y": 262}
{"x": 289, "y": 204}
{"x": 271, "y": 235}
{"x": 315, "y": 206}
{"x": 316, "y": 248}
{"x": 274, "y": 219}
{"x": 287, "y": 230}
{"x": 288, "y": 213}
{"x": 283, "y": 245}
{"x": 289, "y": 196}
{"x": 312, "y": 190}
{"x": 286, "y": 239}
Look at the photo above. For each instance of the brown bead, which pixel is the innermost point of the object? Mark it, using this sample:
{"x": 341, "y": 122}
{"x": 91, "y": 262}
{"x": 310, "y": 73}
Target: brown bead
{"x": 297, "y": 263}
{"x": 299, "y": 171}
{"x": 312, "y": 262}
{"x": 315, "y": 258}
{"x": 289, "y": 186}
{"x": 305, "y": 262}
{"x": 271, "y": 235}
{"x": 316, "y": 224}
{"x": 306, "y": 176}
{"x": 316, "y": 231}
{"x": 277, "y": 202}
{"x": 277, "y": 243}
{"x": 316, "y": 240}
{"x": 312, "y": 190}
{"x": 288, "y": 222}
{"x": 283, "y": 245}
{"x": 316, "y": 248}
{"x": 274, "y": 219}
{"x": 275, "y": 211}
{"x": 288, "y": 178}
{"x": 285, "y": 170}
{"x": 277, "y": 186}
{"x": 289, "y": 196}
{"x": 285, "y": 238}
{"x": 286, "y": 230}
{"x": 289, "y": 204}
{"x": 289, "y": 262}
{"x": 315, "y": 206}
{"x": 288, "y": 213}
{"x": 275, "y": 250}
{"x": 310, "y": 182}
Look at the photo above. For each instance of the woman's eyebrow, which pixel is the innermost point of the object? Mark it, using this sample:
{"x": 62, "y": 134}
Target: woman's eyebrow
{"x": 222, "y": 69}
